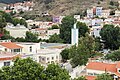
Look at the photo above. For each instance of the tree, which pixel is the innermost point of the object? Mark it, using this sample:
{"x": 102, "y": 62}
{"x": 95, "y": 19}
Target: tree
{"x": 55, "y": 72}
{"x": 55, "y": 27}
{"x": 7, "y": 17}
{"x": 83, "y": 28}
{"x": 23, "y": 22}
{"x": 7, "y": 35}
{"x": 27, "y": 69}
{"x": 104, "y": 76}
{"x": 87, "y": 43}
{"x": 31, "y": 37}
{"x": 110, "y": 36}
{"x": 80, "y": 78}
{"x": 20, "y": 39}
{"x": 55, "y": 39}
{"x": 2, "y": 24}
{"x": 23, "y": 69}
{"x": 65, "y": 28}
{"x": 15, "y": 21}
{"x": 86, "y": 48}
{"x": 115, "y": 56}
{"x": 65, "y": 55}
{"x": 98, "y": 45}
{"x": 111, "y": 3}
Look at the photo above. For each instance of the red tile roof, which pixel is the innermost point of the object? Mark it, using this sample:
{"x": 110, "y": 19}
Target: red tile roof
{"x": 104, "y": 67}
{"x": 101, "y": 66}
{"x": 10, "y": 45}
{"x": 118, "y": 65}
{"x": 90, "y": 77}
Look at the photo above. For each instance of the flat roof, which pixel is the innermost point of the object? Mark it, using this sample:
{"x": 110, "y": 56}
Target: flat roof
{"x": 54, "y": 45}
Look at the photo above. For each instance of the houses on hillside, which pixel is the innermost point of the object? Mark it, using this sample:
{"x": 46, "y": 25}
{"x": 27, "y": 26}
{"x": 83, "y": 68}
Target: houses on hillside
{"x": 20, "y": 6}
{"x": 95, "y": 68}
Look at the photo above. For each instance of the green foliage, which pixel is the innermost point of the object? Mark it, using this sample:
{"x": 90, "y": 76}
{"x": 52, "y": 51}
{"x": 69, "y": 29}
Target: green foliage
{"x": 111, "y": 3}
{"x": 55, "y": 27}
{"x": 55, "y": 39}
{"x": 21, "y": 12}
{"x": 79, "y": 54}
{"x": 83, "y": 28}
{"x": 23, "y": 22}
{"x": 87, "y": 43}
{"x": 20, "y": 39}
{"x": 16, "y": 21}
{"x": 114, "y": 3}
{"x": 104, "y": 76}
{"x": 111, "y": 36}
{"x": 27, "y": 69}
{"x": 98, "y": 45}
{"x": 2, "y": 23}
{"x": 31, "y": 37}
{"x": 27, "y": 17}
{"x": 98, "y": 2}
{"x": 23, "y": 69}
{"x": 12, "y": 13}
{"x": 85, "y": 49}
{"x": 55, "y": 72}
{"x": 65, "y": 28}
{"x": 80, "y": 78}
{"x": 115, "y": 56}
{"x": 7, "y": 17}
{"x": 65, "y": 55}
{"x": 7, "y": 35}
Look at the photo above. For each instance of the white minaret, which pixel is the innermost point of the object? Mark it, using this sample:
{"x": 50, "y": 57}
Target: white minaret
{"x": 74, "y": 35}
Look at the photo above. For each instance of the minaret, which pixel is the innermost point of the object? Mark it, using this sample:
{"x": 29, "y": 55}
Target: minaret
{"x": 74, "y": 35}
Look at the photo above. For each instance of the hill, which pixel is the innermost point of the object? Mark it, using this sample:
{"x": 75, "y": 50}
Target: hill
{"x": 11, "y": 1}
{"x": 66, "y": 7}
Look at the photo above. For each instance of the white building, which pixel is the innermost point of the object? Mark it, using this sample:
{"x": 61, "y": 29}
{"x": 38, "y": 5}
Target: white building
{"x": 90, "y": 13}
{"x": 10, "y": 47}
{"x": 117, "y": 13}
{"x": 6, "y": 58}
{"x": 95, "y": 31}
{"x": 77, "y": 17}
{"x": 17, "y": 31}
{"x": 105, "y": 13}
{"x": 46, "y": 56}
{"x": 29, "y": 48}
{"x": 53, "y": 31}
{"x": 98, "y": 11}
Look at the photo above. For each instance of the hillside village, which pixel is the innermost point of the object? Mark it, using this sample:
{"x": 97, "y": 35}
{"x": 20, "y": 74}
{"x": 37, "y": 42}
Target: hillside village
{"x": 86, "y": 45}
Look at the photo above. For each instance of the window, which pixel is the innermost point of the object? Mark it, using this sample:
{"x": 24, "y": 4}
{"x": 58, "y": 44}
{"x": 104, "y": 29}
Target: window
{"x": 52, "y": 58}
{"x": 30, "y": 48}
{"x": 90, "y": 74}
{"x": 16, "y": 50}
{"x": 5, "y": 49}
{"x": 56, "y": 57}
{"x": 47, "y": 58}
{"x": 7, "y": 63}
